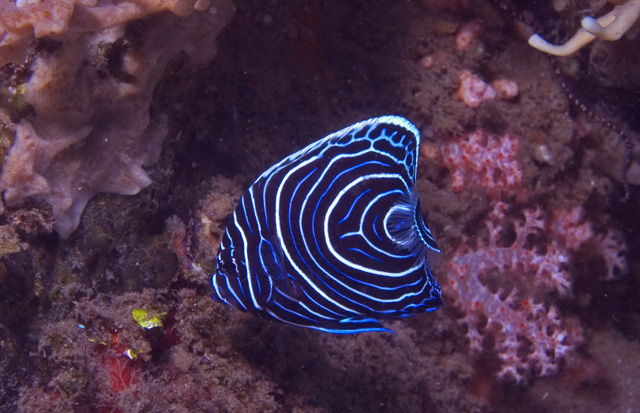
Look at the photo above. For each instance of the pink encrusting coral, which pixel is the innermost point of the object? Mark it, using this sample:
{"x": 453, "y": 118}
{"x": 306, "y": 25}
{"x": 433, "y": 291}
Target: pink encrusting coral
{"x": 473, "y": 90}
{"x": 505, "y": 88}
{"x": 467, "y": 34}
{"x": 489, "y": 160}
{"x": 501, "y": 286}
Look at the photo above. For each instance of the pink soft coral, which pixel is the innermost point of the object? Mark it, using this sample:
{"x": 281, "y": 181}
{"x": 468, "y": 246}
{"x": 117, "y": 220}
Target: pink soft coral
{"x": 530, "y": 336}
{"x": 488, "y": 160}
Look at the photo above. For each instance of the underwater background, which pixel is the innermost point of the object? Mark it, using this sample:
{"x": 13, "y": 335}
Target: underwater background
{"x": 129, "y": 132}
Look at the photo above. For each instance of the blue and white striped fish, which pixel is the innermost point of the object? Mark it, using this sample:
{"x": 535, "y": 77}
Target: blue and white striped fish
{"x": 332, "y": 237}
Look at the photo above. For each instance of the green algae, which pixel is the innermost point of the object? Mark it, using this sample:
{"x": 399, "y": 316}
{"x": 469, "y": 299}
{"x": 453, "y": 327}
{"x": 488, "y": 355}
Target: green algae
{"x": 148, "y": 322}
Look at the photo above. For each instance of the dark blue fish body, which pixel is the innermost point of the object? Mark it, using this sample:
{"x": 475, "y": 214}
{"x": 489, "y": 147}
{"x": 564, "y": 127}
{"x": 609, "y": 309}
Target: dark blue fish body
{"x": 332, "y": 237}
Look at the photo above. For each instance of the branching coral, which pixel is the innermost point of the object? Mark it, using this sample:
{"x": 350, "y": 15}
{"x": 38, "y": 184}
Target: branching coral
{"x": 91, "y": 129}
{"x": 611, "y": 26}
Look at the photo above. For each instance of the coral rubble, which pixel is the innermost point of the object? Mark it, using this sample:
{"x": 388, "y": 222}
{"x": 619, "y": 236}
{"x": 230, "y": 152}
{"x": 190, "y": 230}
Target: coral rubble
{"x": 91, "y": 128}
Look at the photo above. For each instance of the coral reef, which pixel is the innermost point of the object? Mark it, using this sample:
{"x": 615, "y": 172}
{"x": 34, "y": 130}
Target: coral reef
{"x": 107, "y": 353}
{"x": 91, "y": 128}
{"x": 118, "y": 317}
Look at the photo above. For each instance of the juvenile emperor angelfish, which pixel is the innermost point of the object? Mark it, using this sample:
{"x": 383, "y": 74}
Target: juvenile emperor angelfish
{"x": 332, "y": 237}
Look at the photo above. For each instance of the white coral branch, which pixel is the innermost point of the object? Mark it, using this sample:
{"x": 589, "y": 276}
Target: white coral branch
{"x": 611, "y": 26}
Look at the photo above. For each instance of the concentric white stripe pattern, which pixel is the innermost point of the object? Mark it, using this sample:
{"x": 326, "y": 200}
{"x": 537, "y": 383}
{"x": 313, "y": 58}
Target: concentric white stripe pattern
{"x": 332, "y": 237}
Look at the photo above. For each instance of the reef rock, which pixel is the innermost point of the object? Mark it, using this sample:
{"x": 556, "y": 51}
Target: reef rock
{"x": 91, "y": 88}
